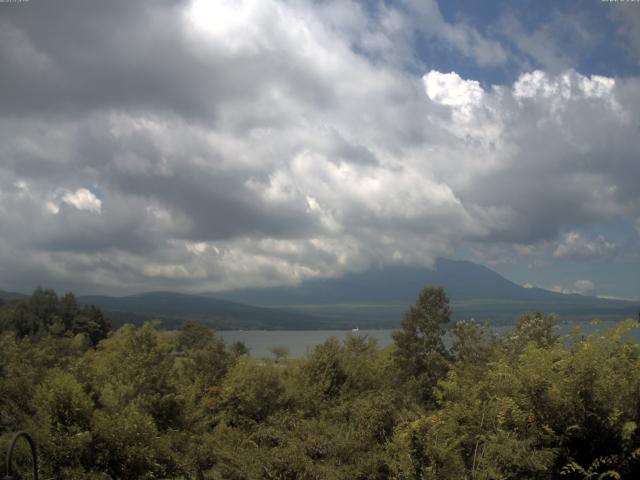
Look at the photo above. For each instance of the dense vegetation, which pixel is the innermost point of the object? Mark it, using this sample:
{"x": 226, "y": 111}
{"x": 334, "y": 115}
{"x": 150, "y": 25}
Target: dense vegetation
{"x": 148, "y": 403}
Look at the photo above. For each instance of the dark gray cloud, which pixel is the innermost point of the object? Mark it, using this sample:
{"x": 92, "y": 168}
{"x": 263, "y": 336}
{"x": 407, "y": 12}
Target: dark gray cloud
{"x": 198, "y": 145}
{"x": 137, "y": 56}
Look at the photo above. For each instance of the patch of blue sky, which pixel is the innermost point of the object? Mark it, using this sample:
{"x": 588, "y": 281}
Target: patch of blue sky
{"x": 583, "y": 35}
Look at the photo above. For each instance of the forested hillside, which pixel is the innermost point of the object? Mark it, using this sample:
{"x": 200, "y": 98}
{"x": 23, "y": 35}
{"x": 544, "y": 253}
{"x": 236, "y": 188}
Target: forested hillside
{"x": 147, "y": 403}
{"x": 171, "y": 308}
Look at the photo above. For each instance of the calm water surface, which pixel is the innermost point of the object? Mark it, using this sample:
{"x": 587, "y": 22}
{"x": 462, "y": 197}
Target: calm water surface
{"x": 260, "y": 342}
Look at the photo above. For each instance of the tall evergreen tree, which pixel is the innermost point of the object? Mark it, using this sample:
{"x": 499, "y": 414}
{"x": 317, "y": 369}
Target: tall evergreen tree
{"x": 420, "y": 351}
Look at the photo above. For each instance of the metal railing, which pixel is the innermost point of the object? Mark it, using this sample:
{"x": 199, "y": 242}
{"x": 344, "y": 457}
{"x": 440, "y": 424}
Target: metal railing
{"x": 10, "y": 475}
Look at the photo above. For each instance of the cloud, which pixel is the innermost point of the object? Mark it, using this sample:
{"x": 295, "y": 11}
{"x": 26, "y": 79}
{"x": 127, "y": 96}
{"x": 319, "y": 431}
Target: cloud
{"x": 584, "y": 286}
{"x": 559, "y": 43}
{"x": 290, "y": 141}
{"x": 581, "y": 287}
{"x": 628, "y": 18}
{"x": 449, "y": 89}
{"x": 459, "y": 36}
{"x": 576, "y": 247}
{"x": 82, "y": 199}
{"x": 525, "y": 250}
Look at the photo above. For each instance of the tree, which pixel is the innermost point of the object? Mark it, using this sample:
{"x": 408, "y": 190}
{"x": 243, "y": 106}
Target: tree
{"x": 133, "y": 367}
{"x": 280, "y": 353}
{"x": 472, "y": 343}
{"x": 537, "y": 328}
{"x": 193, "y": 336}
{"x": 420, "y": 351}
{"x": 323, "y": 373}
{"x": 63, "y": 416}
{"x": 68, "y": 309}
{"x": 92, "y": 322}
{"x": 44, "y": 314}
{"x": 251, "y": 392}
{"x": 44, "y": 305}
{"x": 239, "y": 349}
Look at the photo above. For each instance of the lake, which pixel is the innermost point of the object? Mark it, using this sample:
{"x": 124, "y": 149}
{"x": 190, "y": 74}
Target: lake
{"x": 260, "y": 342}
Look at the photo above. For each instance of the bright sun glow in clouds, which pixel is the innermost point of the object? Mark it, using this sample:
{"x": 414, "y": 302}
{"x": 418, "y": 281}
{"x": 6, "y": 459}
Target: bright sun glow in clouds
{"x": 221, "y": 18}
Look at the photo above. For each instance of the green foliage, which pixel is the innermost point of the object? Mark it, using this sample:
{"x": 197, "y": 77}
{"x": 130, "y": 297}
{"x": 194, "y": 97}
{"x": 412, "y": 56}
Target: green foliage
{"x": 45, "y": 314}
{"x": 251, "y": 392}
{"x": 420, "y": 351}
{"x": 193, "y": 336}
{"x": 322, "y": 372}
{"x": 534, "y": 327}
{"x": 239, "y": 349}
{"x": 127, "y": 444}
{"x": 472, "y": 343}
{"x": 280, "y": 353}
{"x": 147, "y": 403}
{"x": 64, "y": 413}
{"x": 134, "y": 367}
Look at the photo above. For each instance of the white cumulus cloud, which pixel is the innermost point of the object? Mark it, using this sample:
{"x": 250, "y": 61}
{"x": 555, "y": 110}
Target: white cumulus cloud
{"x": 584, "y": 286}
{"x": 81, "y": 199}
{"x": 577, "y": 247}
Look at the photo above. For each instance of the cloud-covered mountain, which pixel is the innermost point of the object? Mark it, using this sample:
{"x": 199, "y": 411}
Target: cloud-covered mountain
{"x": 475, "y": 291}
{"x": 463, "y": 281}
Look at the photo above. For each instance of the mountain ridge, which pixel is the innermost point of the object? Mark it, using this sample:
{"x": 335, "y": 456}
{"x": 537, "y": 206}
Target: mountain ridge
{"x": 9, "y": 296}
{"x": 475, "y": 291}
{"x": 377, "y": 298}
{"x": 463, "y": 280}
{"x": 173, "y": 307}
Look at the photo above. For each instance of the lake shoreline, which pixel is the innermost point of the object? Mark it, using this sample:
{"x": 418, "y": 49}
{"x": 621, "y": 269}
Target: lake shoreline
{"x": 260, "y": 342}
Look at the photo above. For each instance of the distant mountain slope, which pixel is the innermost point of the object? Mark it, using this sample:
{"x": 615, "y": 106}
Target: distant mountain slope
{"x": 374, "y": 299}
{"x": 8, "y": 296}
{"x": 172, "y": 308}
{"x": 475, "y": 291}
{"x": 462, "y": 280}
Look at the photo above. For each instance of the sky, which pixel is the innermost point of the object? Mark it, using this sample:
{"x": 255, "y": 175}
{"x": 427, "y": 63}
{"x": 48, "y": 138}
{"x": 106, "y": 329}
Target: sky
{"x": 208, "y": 145}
